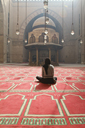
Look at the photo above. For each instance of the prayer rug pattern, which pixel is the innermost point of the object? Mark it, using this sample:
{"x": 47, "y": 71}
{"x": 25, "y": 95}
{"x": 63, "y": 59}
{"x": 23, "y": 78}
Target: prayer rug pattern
{"x": 24, "y": 102}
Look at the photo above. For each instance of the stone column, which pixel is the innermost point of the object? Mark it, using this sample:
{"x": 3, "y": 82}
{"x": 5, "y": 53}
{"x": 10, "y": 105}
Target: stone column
{"x": 8, "y": 52}
{"x": 49, "y": 53}
{"x": 29, "y": 57}
{"x": 37, "y": 56}
{"x": 11, "y": 51}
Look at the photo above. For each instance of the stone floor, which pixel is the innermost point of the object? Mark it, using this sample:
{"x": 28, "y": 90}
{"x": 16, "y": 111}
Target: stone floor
{"x": 60, "y": 65}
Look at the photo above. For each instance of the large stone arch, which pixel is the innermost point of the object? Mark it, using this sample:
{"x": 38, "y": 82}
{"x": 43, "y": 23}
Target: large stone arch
{"x": 36, "y": 14}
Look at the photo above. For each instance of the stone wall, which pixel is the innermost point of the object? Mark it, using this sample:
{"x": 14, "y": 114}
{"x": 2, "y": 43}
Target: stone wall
{"x": 17, "y": 48}
{"x": 72, "y": 51}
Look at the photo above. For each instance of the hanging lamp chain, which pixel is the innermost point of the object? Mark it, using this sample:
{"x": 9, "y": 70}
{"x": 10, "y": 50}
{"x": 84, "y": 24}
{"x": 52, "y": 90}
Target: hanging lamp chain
{"x": 9, "y": 20}
{"x": 72, "y": 12}
{"x": 26, "y": 12}
{"x": 81, "y": 18}
{"x": 17, "y": 12}
{"x": 62, "y": 17}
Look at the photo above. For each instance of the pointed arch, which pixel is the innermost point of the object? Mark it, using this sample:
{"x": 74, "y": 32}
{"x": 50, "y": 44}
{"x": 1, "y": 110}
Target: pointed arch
{"x": 35, "y": 15}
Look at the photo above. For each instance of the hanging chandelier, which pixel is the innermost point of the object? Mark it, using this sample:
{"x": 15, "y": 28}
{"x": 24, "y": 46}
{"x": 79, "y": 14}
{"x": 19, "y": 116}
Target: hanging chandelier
{"x": 17, "y": 30}
{"x": 62, "y": 25}
{"x": 81, "y": 41}
{"x": 26, "y": 21}
{"x": 72, "y": 27}
{"x": 45, "y": 37}
{"x": 62, "y": 41}
{"x": 72, "y": 32}
{"x": 8, "y": 39}
{"x": 46, "y": 20}
{"x": 25, "y": 41}
{"x": 45, "y": 4}
{"x": 46, "y": 31}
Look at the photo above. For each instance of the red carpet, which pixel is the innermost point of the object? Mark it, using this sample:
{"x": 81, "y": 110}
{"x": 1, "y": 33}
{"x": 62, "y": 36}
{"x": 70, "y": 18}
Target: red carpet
{"x": 26, "y": 103}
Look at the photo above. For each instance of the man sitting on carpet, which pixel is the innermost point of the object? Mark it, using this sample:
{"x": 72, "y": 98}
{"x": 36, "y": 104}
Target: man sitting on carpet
{"x": 47, "y": 73}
